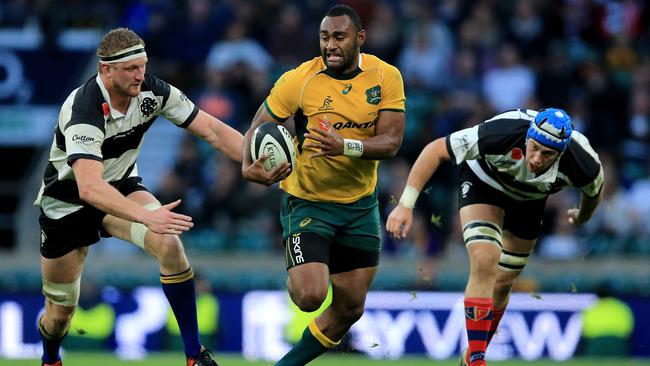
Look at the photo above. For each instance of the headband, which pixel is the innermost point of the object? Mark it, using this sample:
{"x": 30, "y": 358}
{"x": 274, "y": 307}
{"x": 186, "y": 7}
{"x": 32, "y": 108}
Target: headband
{"x": 124, "y": 55}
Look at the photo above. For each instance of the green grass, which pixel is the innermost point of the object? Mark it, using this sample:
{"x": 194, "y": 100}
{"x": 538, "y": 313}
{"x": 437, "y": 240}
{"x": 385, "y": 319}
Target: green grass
{"x": 176, "y": 359}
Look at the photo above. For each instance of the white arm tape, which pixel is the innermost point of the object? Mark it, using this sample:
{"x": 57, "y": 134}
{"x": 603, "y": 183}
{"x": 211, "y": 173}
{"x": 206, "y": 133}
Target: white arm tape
{"x": 409, "y": 196}
{"x": 352, "y": 148}
{"x": 138, "y": 230}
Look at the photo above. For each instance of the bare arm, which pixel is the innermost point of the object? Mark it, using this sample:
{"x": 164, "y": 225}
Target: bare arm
{"x": 221, "y": 136}
{"x": 588, "y": 205}
{"x": 254, "y": 171}
{"x": 427, "y": 163}
{"x": 103, "y": 196}
{"x": 384, "y": 145}
{"x": 401, "y": 218}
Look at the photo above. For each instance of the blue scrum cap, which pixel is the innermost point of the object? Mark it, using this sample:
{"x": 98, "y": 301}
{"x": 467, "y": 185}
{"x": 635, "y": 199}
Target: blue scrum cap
{"x": 552, "y": 128}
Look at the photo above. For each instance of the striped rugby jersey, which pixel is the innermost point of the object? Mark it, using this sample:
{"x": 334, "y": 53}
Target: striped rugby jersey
{"x": 90, "y": 128}
{"x": 494, "y": 151}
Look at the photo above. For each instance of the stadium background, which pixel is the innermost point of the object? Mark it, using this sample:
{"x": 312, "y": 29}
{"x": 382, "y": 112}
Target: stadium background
{"x": 461, "y": 61}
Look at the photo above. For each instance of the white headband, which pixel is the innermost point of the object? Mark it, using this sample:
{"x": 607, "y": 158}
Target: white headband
{"x": 124, "y": 55}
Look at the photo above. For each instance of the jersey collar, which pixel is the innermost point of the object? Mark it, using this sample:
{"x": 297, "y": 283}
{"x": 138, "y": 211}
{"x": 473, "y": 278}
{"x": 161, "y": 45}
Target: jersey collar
{"x": 348, "y": 76}
{"x": 115, "y": 114}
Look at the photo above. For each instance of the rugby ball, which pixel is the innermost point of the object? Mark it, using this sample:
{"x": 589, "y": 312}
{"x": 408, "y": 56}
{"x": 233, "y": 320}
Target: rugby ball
{"x": 275, "y": 141}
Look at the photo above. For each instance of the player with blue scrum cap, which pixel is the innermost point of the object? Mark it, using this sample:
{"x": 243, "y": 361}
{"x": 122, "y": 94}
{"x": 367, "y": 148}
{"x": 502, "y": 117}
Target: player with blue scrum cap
{"x": 509, "y": 165}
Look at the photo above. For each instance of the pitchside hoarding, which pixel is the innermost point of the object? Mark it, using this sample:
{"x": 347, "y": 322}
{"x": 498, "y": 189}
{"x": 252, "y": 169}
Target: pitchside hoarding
{"x": 394, "y": 324}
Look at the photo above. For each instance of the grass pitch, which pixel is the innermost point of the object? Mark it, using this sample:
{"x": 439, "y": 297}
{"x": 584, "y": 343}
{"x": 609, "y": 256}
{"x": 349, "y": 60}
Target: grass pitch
{"x": 177, "y": 359}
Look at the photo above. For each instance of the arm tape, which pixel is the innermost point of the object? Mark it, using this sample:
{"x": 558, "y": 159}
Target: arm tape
{"x": 409, "y": 196}
{"x": 352, "y": 148}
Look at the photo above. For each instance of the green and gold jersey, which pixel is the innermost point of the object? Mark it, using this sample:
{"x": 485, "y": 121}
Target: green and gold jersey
{"x": 351, "y": 105}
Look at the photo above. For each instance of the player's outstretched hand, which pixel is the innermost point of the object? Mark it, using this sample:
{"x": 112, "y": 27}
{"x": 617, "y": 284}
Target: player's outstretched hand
{"x": 164, "y": 221}
{"x": 326, "y": 139}
{"x": 574, "y": 217}
{"x": 399, "y": 222}
{"x": 256, "y": 173}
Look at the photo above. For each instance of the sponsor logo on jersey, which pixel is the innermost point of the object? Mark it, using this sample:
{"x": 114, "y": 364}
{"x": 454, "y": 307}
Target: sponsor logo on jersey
{"x": 305, "y": 222}
{"x": 148, "y": 106}
{"x": 373, "y": 95}
{"x": 327, "y": 104}
{"x": 295, "y": 247}
{"x": 344, "y": 125}
{"x": 346, "y": 89}
{"x": 81, "y": 139}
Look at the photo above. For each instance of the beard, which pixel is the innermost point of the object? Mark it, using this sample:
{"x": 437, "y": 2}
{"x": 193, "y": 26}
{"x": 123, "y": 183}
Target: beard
{"x": 346, "y": 64}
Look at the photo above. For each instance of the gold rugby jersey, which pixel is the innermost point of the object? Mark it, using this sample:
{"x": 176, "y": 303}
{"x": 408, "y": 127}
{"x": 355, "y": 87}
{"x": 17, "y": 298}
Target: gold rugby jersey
{"x": 351, "y": 105}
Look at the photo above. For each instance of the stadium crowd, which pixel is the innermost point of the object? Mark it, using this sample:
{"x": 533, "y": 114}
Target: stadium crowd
{"x": 462, "y": 61}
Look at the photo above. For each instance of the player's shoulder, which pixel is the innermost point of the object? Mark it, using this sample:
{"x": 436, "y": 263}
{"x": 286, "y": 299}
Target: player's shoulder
{"x": 515, "y": 121}
{"x": 89, "y": 93}
{"x": 155, "y": 85}
{"x": 579, "y": 145}
{"x": 369, "y": 61}
{"x": 302, "y": 73}
{"x": 308, "y": 68}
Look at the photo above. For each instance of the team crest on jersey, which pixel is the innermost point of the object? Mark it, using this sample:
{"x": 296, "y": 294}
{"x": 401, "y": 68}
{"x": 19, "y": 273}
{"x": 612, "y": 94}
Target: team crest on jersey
{"x": 516, "y": 154}
{"x": 327, "y": 104}
{"x": 373, "y": 95}
{"x": 148, "y": 106}
{"x": 346, "y": 89}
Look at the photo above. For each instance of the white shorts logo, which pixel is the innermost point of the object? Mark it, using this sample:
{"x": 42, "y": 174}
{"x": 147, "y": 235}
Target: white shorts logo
{"x": 464, "y": 188}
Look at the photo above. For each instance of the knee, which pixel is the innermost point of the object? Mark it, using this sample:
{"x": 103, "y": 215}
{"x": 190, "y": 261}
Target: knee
{"x": 58, "y": 318}
{"x": 485, "y": 265}
{"x": 309, "y": 299}
{"x": 167, "y": 248}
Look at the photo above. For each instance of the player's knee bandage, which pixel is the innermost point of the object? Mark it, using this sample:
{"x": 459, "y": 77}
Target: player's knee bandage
{"x": 482, "y": 231}
{"x": 65, "y": 294}
{"x": 138, "y": 230}
{"x": 511, "y": 261}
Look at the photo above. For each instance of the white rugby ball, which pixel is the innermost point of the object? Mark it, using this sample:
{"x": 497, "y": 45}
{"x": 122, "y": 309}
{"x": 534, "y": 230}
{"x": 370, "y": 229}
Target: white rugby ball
{"x": 275, "y": 141}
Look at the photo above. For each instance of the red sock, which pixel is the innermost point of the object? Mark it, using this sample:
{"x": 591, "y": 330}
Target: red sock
{"x": 497, "y": 314}
{"x": 478, "y": 317}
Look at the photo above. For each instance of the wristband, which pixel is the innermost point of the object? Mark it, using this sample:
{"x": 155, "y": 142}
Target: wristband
{"x": 409, "y": 196}
{"x": 352, "y": 148}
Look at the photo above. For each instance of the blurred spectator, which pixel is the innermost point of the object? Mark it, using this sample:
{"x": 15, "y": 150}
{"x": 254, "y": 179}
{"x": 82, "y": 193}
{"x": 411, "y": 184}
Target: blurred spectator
{"x": 607, "y": 326}
{"x": 511, "y": 84}
{"x": 236, "y": 49}
{"x": 562, "y": 243}
{"x": 288, "y": 42}
{"x": 384, "y": 35}
{"x": 425, "y": 59}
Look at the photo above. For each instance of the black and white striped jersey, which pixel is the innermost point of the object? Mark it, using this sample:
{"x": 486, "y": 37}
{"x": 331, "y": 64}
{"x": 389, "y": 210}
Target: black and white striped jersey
{"x": 494, "y": 151}
{"x": 90, "y": 128}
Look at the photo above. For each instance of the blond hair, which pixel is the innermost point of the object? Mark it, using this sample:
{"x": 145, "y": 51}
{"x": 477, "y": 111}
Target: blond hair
{"x": 117, "y": 40}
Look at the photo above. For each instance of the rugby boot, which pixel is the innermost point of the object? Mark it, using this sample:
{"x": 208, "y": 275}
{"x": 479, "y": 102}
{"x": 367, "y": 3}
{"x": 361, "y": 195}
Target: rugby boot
{"x": 203, "y": 359}
{"x": 57, "y": 363}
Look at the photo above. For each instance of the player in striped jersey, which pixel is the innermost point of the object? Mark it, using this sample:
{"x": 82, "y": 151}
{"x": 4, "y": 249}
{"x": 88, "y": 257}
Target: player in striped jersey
{"x": 509, "y": 165}
{"x": 91, "y": 187}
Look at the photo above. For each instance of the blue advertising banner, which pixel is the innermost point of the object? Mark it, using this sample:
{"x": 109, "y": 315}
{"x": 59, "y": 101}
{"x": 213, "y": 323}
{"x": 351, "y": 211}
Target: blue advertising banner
{"x": 259, "y": 324}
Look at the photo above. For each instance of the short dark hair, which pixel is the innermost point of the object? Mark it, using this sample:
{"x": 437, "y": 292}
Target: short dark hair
{"x": 342, "y": 9}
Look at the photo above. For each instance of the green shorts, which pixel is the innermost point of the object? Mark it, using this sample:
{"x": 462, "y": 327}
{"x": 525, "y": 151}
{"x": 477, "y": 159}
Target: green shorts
{"x": 354, "y": 225}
